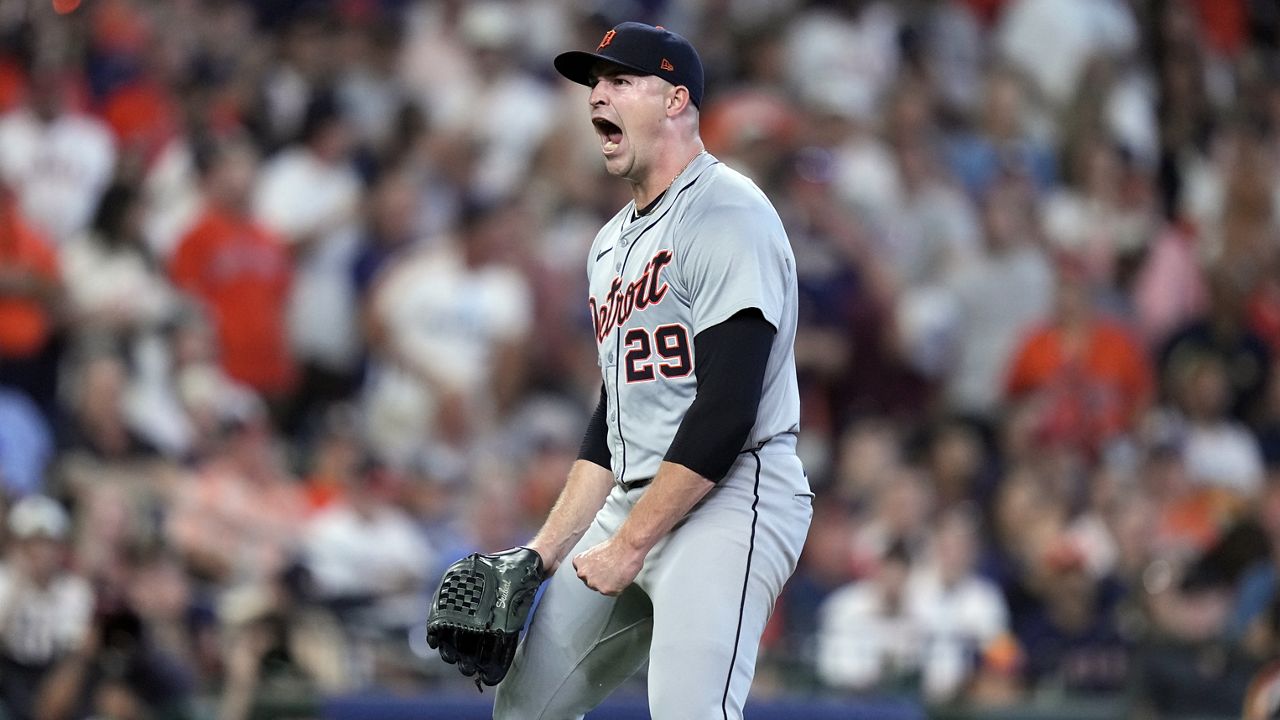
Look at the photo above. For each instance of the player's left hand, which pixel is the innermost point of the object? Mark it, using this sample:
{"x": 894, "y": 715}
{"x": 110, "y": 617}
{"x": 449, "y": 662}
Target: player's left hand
{"x": 608, "y": 568}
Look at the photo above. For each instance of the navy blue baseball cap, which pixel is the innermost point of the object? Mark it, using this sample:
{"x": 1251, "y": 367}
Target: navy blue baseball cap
{"x": 642, "y": 49}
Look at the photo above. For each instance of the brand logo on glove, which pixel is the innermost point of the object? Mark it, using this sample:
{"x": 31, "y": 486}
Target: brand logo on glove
{"x": 504, "y": 591}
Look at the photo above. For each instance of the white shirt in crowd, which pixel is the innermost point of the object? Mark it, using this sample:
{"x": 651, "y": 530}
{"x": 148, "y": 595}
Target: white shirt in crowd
{"x": 855, "y": 57}
{"x": 1224, "y": 455}
{"x": 1051, "y": 40}
{"x": 446, "y": 320}
{"x": 937, "y": 632}
{"x": 302, "y": 198}
{"x": 860, "y": 642}
{"x": 99, "y": 279}
{"x": 351, "y": 555}
{"x": 997, "y": 299}
{"x": 59, "y": 169}
{"x": 39, "y": 625}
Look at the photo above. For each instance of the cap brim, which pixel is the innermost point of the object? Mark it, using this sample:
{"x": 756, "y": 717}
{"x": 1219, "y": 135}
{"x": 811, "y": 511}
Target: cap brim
{"x": 576, "y": 65}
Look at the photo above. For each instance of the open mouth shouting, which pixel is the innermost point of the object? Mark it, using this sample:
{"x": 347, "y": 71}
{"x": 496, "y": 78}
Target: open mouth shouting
{"x": 610, "y": 135}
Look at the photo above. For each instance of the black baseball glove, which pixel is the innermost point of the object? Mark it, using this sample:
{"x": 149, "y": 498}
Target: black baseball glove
{"x": 479, "y": 609}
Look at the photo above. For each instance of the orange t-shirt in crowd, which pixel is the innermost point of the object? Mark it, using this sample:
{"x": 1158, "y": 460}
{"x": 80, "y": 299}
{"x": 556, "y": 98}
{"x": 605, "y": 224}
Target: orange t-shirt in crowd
{"x": 24, "y": 324}
{"x": 241, "y": 273}
{"x": 13, "y": 84}
{"x": 144, "y": 118}
{"x": 1091, "y": 396}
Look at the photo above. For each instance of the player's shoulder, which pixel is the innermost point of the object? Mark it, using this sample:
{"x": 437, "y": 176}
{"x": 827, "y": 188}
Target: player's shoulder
{"x": 723, "y": 194}
{"x": 721, "y": 184}
{"x": 725, "y": 208}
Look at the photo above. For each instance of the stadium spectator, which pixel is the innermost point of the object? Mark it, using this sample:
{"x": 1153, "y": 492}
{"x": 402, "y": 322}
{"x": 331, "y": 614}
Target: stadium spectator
{"x": 389, "y": 230}
{"x": 867, "y": 636}
{"x": 846, "y": 54}
{"x": 138, "y": 101}
{"x": 296, "y": 74}
{"x": 1008, "y": 141}
{"x": 57, "y": 160}
{"x": 1223, "y": 333}
{"x": 1219, "y": 451}
{"x": 46, "y": 611}
{"x": 1051, "y": 40}
{"x": 997, "y": 298}
{"x": 962, "y": 617}
{"x": 934, "y": 230}
{"x": 449, "y": 325}
{"x": 122, "y": 670}
{"x": 115, "y": 290}
{"x": 1169, "y": 287}
{"x": 97, "y": 426}
{"x": 1069, "y": 634}
{"x": 31, "y": 295}
{"x": 1086, "y": 376}
{"x": 498, "y": 113}
{"x": 281, "y": 651}
{"x": 239, "y": 271}
{"x": 309, "y": 195}
{"x": 1088, "y": 218}
{"x": 931, "y": 236}
{"x": 367, "y": 557}
{"x": 955, "y": 456}
{"x": 238, "y": 522}
{"x": 897, "y": 510}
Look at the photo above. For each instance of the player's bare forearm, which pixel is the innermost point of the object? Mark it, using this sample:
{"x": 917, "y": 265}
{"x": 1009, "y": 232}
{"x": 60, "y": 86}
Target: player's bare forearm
{"x": 582, "y": 497}
{"x": 611, "y": 566}
{"x": 673, "y": 493}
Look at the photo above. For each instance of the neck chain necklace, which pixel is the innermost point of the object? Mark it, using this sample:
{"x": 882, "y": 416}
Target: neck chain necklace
{"x": 645, "y": 210}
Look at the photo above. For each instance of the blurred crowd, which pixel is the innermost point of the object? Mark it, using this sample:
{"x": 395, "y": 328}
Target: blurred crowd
{"x": 292, "y": 314}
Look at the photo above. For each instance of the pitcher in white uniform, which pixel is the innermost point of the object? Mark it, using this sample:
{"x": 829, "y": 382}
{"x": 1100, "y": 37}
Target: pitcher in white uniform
{"x": 687, "y": 509}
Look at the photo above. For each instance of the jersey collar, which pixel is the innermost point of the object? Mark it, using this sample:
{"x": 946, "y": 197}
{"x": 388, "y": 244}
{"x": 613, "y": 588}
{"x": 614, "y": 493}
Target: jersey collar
{"x": 687, "y": 177}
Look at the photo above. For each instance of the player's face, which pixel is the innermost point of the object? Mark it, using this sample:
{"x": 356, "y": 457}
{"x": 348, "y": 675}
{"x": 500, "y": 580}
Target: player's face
{"x": 627, "y": 110}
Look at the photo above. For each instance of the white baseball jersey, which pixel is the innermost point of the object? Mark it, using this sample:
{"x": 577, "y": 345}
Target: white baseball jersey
{"x": 713, "y": 246}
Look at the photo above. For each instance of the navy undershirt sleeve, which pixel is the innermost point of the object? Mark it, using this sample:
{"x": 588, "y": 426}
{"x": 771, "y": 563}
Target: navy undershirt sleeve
{"x": 595, "y": 443}
{"x": 730, "y": 361}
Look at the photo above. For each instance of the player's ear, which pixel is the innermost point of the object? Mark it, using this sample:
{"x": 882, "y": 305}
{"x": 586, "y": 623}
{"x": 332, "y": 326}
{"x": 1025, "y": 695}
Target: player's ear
{"x": 677, "y": 100}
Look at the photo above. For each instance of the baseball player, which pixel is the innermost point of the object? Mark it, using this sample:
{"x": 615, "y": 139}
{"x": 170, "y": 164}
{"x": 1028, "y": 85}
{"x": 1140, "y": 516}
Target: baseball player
{"x": 687, "y": 509}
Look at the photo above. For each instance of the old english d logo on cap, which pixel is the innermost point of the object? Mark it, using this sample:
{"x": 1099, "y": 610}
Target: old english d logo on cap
{"x": 642, "y": 49}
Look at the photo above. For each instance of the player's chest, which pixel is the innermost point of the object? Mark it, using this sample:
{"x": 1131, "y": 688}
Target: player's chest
{"x": 632, "y": 283}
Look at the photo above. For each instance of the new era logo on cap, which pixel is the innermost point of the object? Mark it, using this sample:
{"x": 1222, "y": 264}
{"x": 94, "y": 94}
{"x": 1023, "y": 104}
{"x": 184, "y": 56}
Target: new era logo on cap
{"x": 643, "y": 49}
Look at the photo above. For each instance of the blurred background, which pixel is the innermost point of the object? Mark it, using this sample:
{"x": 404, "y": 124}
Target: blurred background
{"x": 292, "y": 315}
